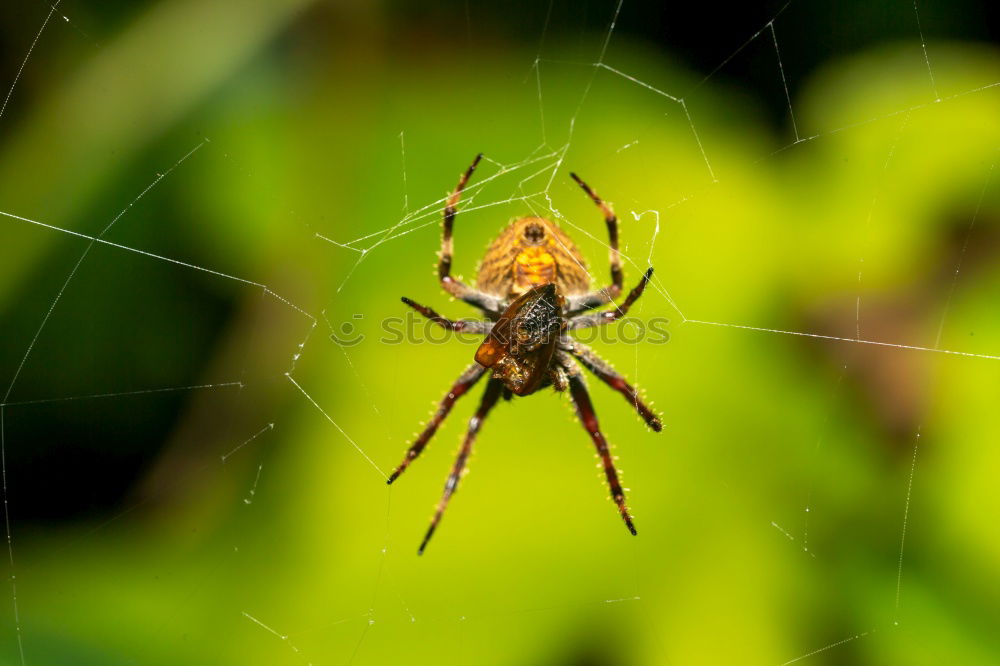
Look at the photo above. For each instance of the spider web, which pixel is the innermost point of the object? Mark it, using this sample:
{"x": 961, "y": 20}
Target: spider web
{"x": 743, "y": 296}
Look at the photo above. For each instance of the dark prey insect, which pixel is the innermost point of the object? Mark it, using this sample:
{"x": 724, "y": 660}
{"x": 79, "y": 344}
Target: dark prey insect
{"x": 533, "y": 287}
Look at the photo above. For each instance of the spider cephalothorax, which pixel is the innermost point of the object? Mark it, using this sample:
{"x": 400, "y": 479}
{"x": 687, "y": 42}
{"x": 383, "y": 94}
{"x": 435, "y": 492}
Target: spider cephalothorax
{"x": 522, "y": 342}
{"x": 533, "y": 286}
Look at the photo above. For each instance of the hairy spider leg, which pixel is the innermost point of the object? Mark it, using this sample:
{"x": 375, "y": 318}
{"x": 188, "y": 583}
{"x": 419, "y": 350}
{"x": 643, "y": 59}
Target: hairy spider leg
{"x": 453, "y": 286}
{"x": 585, "y": 411}
{"x": 608, "y": 316}
{"x": 461, "y": 325}
{"x": 594, "y": 299}
{"x": 465, "y": 381}
{"x": 603, "y": 370}
{"x": 494, "y": 388}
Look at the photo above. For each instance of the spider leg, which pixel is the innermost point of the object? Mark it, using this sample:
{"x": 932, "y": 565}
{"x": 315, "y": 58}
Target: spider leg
{"x": 608, "y": 316}
{"x": 465, "y": 381}
{"x": 462, "y": 325}
{"x": 603, "y": 370}
{"x": 453, "y": 286}
{"x": 558, "y": 378}
{"x": 600, "y": 297}
{"x": 585, "y": 411}
{"x": 490, "y": 397}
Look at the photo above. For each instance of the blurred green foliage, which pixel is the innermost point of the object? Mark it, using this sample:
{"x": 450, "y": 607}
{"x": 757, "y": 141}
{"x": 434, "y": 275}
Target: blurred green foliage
{"x": 771, "y": 508}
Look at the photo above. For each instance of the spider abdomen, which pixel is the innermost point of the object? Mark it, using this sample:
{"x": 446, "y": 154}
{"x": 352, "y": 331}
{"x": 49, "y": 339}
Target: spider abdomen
{"x": 529, "y": 252}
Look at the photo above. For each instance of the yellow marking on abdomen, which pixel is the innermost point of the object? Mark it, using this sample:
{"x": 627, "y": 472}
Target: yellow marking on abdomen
{"x": 534, "y": 266}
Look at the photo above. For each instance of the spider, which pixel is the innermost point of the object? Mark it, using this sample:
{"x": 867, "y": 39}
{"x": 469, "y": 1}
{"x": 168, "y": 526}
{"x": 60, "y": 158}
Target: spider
{"x": 533, "y": 287}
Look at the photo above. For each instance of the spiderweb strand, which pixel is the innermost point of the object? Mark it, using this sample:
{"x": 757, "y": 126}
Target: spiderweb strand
{"x": 840, "y": 339}
{"x": 122, "y": 394}
{"x": 927, "y": 59}
{"x": 902, "y": 536}
{"x": 868, "y": 221}
{"x": 961, "y": 257}
{"x": 784, "y": 82}
{"x": 119, "y": 246}
{"x": 20, "y": 70}
{"x": 337, "y": 426}
{"x": 10, "y": 534}
{"x": 828, "y": 647}
{"x": 225, "y": 457}
{"x": 280, "y": 636}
